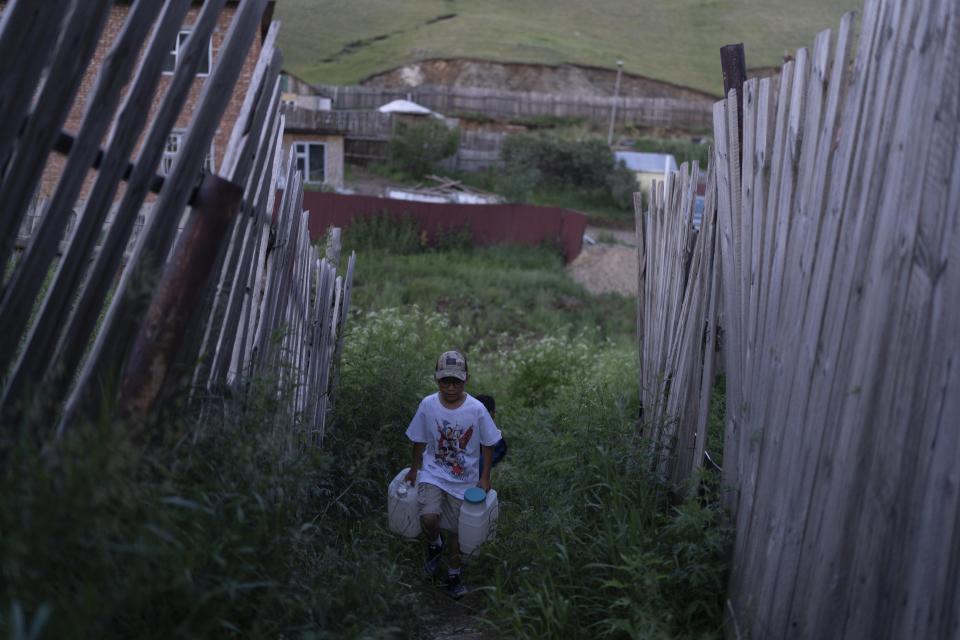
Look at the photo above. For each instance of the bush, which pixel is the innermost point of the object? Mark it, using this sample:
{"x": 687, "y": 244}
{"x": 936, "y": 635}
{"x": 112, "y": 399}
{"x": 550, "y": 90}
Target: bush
{"x": 535, "y": 163}
{"x": 417, "y": 149}
{"x": 622, "y": 183}
{"x": 584, "y": 163}
{"x": 518, "y": 183}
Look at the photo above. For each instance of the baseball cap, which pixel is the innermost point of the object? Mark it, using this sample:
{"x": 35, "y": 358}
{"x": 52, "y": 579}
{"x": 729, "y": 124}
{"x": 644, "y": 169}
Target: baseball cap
{"x": 451, "y": 364}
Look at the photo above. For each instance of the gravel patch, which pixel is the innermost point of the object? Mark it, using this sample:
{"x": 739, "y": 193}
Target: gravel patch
{"x": 606, "y": 268}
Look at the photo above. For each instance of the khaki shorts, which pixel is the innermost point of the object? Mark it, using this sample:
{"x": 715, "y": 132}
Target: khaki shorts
{"x": 435, "y": 501}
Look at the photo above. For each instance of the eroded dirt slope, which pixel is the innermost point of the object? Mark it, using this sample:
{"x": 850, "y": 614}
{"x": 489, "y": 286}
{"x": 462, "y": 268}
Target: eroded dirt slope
{"x": 567, "y": 79}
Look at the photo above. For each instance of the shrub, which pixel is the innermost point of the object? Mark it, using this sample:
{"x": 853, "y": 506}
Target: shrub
{"x": 584, "y": 163}
{"x": 518, "y": 183}
{"x": 622, "y": 183}
{"x": 416, "y": 149}
{"x": 542, "y": 162}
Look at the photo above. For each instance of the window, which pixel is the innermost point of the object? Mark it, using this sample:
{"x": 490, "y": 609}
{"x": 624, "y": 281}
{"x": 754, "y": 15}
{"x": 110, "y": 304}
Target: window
{"x": 170, "y": 64}
{"x": 309, "y": 157}
{"x": 172, "y": 148}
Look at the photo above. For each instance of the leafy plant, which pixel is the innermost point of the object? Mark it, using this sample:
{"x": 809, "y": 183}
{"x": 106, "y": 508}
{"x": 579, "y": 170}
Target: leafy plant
{"x": 622, "y": 183}
{"x": 384, "y": 233}
{"x": 518, "y": 183}
{"x": 417, "y": 149}
{"x": 545, "y": 163}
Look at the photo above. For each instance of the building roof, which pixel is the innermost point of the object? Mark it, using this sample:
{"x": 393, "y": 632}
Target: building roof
{"x": 647, "y": 162}
{"x": 407, "y": 107}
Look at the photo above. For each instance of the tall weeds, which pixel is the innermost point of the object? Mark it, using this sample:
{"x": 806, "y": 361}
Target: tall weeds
{"x": 216, "y": 530}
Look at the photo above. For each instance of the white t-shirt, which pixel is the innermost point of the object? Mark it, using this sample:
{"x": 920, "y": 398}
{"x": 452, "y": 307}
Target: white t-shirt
{"x": 453, "y": 437}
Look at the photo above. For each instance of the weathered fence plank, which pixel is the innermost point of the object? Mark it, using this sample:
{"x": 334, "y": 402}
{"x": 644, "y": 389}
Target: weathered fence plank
{"x": 82, "y": 322}
{"x": 26, "y": 26}
{"x": 841, "y": 295}
{"x": 154, "y": 243}
{"x": 848, "y": 347}
{"x": 25, "y": 285}
{"x": 676, "y": 322}
{"x": 19, "y": 181}
{"x": 149, "y": 343}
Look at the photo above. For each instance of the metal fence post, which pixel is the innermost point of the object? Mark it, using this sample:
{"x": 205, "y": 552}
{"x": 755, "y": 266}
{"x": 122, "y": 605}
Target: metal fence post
{"x": 148, "y": 368}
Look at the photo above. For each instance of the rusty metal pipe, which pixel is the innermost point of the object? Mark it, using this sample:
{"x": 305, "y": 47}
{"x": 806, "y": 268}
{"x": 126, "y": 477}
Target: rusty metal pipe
{"x": 148, "y": 371}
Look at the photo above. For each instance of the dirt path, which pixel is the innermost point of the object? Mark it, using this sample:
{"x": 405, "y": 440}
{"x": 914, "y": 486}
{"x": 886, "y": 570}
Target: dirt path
{"x": 456, "y": 619}
{"x": 610, "y": 265}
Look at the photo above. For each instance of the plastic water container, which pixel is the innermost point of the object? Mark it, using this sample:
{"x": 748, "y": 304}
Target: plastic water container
{"x": 478, "y": 518}
{"x": 403, "y": 512}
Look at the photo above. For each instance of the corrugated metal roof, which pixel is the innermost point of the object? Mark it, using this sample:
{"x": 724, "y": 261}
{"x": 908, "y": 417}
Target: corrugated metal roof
{"x": 647, "y": 162}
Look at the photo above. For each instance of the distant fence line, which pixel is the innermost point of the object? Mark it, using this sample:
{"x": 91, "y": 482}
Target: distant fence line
{"x": 355, "y": 124}
{"x": 839, "y": 280}
{"x": 232, "y": 290}
{"x": 650, "y": 112}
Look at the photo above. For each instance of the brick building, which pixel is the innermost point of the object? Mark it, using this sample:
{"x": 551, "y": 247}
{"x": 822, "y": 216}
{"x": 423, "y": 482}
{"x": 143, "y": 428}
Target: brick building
{"x": 111, "y": 31}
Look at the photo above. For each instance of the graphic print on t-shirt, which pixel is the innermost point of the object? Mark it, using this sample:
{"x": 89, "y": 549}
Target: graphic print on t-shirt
{"x": 451, "y": 446}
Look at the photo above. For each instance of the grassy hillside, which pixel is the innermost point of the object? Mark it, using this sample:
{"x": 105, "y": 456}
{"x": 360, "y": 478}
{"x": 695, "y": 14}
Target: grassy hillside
{"x": 338, "y": 42}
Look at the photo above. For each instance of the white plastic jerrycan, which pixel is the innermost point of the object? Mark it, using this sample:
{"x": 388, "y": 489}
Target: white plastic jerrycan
{"x": 478, "y": 518}
{"x": 403, "y": 512}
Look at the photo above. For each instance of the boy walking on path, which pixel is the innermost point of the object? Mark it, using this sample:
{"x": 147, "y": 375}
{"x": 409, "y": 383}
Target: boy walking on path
{"x": 450, "y": 431}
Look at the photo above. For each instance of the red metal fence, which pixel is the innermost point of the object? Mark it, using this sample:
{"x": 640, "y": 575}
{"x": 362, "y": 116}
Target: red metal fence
{"x": 488, "y": 223}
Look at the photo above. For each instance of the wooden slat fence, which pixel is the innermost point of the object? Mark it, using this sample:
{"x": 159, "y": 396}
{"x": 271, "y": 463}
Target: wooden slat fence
{"x": 676, "y": 321}
{"x": 839, "y": 239}
{"x": 516, "y": 104}
{"x": 212, "y": 278}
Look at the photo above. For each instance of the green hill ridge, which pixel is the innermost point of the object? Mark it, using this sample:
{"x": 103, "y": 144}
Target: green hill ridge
{"x": 678, "y": 41}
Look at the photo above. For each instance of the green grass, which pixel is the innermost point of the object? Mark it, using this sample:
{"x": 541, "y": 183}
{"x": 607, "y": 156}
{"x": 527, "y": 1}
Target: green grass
{"x": 491, "y": 291}
{"x": 676, "y": 41}
{"x": 598, "y": 206}
{"x": 210, "y": 528}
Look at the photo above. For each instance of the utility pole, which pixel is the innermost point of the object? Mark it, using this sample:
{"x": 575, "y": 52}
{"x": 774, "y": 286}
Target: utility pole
{"x": 613, "y": 107}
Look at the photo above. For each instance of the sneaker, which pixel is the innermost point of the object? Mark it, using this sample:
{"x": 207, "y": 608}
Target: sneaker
{"x": 432, "y": 564}
{"x": 455, "y": 587}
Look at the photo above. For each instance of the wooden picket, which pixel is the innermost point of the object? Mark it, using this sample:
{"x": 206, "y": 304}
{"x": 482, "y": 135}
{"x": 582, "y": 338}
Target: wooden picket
{"x": 837, "y": 241}
{"x": 676, "y": 321}
{"x": 233, "y": 295}
{"x": 837, "y": 244}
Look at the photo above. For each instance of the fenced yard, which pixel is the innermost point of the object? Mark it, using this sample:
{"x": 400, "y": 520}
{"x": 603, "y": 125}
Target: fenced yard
{"x": 837, "y": 240}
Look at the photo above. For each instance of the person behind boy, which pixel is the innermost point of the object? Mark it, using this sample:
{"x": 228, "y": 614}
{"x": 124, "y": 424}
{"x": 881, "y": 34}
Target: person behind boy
{"x": 450, "y": 431}
{"x": 499, "y": 449}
